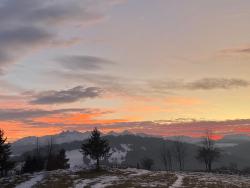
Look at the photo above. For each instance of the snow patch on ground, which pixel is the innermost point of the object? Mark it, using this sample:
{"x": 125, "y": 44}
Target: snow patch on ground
{"x": 126, "y": 147}
{"x": 178, "y": 182}
{"x": 119, "y": 156}
{"x": 143, "y": 148}
{"x": 31, "y": 182}
{"x": 99, "y": 182}
{"x": 135, "y": 171}
{"x": 76, "y": 160}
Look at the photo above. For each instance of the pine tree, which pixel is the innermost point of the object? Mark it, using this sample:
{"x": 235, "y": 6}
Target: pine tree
{"x": 28, "y": 165}
{"x": 51, "y": 163}
{"x": 62, "y": 161}
{"x": 96, "y": 147}
{"x": 5, "y": 152}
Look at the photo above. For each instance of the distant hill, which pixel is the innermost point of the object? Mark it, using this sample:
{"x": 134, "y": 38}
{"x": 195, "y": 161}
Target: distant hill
{"x": 29, "y": 143}
{"x": 129, "y": 150}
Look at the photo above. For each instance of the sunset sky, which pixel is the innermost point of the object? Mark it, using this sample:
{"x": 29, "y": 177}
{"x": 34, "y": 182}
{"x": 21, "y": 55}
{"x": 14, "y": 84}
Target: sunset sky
{"x": 162, "y": 67}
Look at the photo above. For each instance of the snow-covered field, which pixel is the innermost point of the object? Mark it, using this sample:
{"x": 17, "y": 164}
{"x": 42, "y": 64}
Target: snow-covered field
{"x": 121, "y": 178}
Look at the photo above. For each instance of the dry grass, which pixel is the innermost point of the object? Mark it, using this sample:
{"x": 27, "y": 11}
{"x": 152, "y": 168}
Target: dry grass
{"x": 160, "y": 181}
{"x": 55, "y": 181}
{"x": 128, "y": 178}
{"x": 191, "y": 182}
{"x": 13, "y": 181}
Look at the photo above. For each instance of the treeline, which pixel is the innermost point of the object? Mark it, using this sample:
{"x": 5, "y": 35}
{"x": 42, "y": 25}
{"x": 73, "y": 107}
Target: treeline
{"x": 98, "y": 149}
{"x": 176, "y": 155}
{"x": 50, "y": 160}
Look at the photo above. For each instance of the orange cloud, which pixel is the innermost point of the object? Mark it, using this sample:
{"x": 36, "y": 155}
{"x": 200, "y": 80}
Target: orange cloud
{"x": 16, "y": 130}
{"x": 77, "y": 118}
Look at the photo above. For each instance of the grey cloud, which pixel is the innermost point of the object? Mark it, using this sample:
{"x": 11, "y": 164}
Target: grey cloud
{"x": 22, "y": 114}
{"x": 22, "y": 35}
{"x": 110, "y": 83}
{"x": 77, "y": 62}
{"x": 243, "y": 50}
{"x": 46, "y": 11}
{"x": 27, "y": 25}
{"x": 66, "y": 96}
{"x": 17, "y": 41}
{"x": 217, "y": 83}
{"x": 202, "y": 84}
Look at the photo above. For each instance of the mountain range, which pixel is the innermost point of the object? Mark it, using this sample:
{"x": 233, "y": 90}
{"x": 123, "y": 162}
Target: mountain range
{"x": 67, "y": 137}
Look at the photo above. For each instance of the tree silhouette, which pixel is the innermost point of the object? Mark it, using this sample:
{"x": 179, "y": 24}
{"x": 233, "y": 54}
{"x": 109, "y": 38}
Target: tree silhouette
{"x": 166, "y": 157}
{"x": 180, "y": 152}
{"x": 62, "y": 161}
{"x": 5, "y": 163}
{"x": 28, "y": 166}
{"x": 34, "y": 163}
{"x": 51, "y": 157}
{"x": 147, "y": 163}
{"x": 96, "y": 147}
{"x": 208, "y": 153}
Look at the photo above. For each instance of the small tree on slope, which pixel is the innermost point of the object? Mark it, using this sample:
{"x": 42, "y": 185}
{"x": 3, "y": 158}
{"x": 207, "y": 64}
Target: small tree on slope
{"x": 208, "y": 153}
{"x": 147, "y": 163}
{"x": 5, "y": 163}
{"x": 62, "y": 160}
{"x": 96, "y": 147}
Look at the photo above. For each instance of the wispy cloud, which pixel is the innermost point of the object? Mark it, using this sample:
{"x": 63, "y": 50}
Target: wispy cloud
{"x": 202, "y": 84}
{"x": 240, "y": 50}
{"x": 79, "y": 62}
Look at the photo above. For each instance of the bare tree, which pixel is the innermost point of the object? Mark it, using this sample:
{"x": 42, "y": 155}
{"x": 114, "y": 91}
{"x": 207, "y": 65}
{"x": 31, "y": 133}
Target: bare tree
{"x": 207, "y": 152}
{"x": 180, "y": 153}
{"x": 166, "y": 157}
{"x": 170, "y": 159}
{"x": 50, "y": 146}
{"x": 50, "y": 155}
{"x": 37, "y": 147}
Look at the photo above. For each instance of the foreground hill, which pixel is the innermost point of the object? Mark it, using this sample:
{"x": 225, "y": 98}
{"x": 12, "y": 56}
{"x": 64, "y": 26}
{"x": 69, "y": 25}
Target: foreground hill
{"x": 123, "y": 178}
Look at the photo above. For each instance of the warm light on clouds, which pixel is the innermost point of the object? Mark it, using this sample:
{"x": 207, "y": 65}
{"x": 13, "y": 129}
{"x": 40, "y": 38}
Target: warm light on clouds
{"x": 181, "y": 68}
